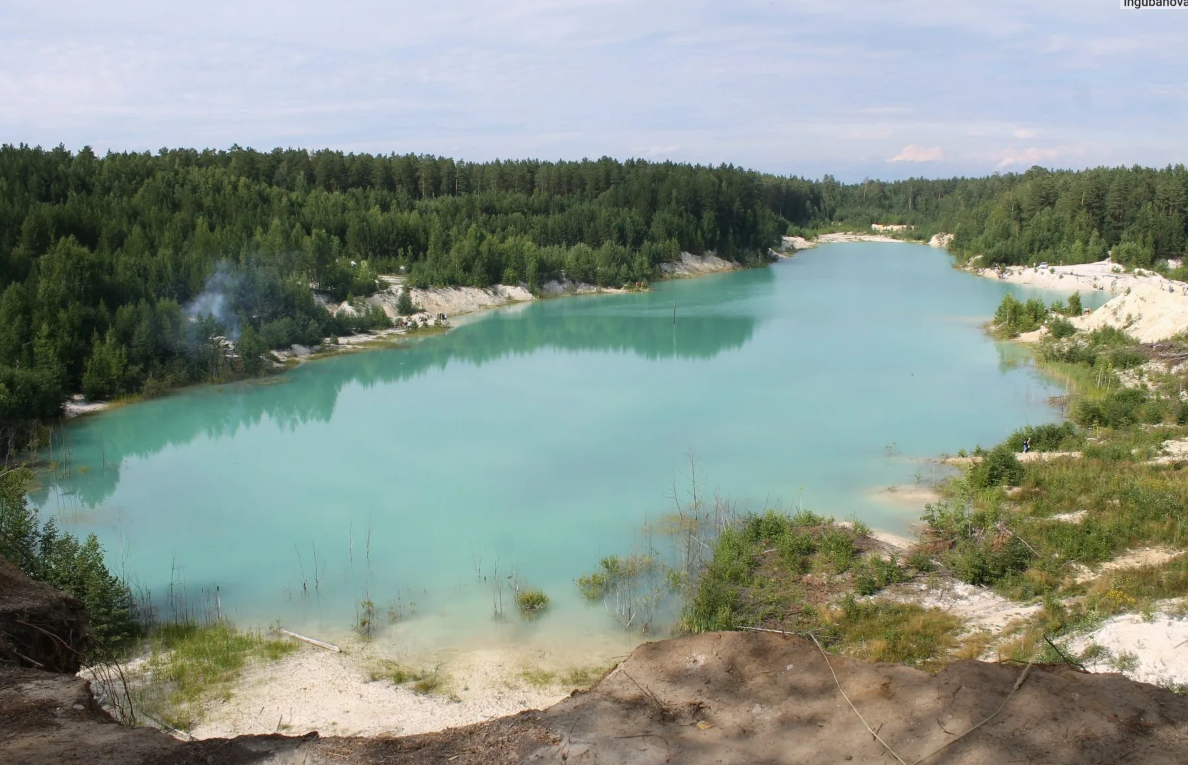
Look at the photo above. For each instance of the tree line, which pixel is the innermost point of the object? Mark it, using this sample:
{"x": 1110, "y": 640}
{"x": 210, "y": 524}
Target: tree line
{"x": 127, "y": 273}
{"x": 139, "y": 272}
{"x": 1136, "y": 215}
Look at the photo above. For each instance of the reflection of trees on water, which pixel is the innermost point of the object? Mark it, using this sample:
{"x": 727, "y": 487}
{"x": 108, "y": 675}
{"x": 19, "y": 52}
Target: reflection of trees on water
{"x": 638, "y": 324}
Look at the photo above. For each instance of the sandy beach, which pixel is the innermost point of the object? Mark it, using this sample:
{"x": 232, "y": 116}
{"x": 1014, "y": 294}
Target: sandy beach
{"x": 352, "y": 693}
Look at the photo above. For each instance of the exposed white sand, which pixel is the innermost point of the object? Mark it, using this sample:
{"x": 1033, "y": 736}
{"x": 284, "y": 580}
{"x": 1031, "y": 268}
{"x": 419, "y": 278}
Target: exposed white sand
{"x": 333, "y": 693}
{"x": 694, "y": 265}
{"x": 1028, "y": 457}
{"x": 1149, "y": 312}
{"x": 1172, "y": 451}
{"x": 1158, "y": 648}
{"x": 852, "y": 237}
{"x": 909, "y": 497}
{"x": 1143, "y": 556}
{"x": 77, "y": 406}
{"x": 979, "y": 607}
{"x": 1102, "y": 276}
{"x": 559, "y": 289}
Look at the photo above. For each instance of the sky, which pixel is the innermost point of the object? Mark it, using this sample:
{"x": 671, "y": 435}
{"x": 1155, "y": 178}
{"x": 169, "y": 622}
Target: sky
{"x": 880, "y": 89}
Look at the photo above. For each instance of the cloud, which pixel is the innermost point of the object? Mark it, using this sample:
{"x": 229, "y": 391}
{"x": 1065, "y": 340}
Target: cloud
{"x": 710, "y": 81}
{"x": 1033, "y": 156}
{"x": 914, "y": 153}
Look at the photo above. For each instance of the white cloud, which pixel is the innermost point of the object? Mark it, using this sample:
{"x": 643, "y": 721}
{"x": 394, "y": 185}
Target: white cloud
{"x": 1033, "y": 156}
{"x": 913, "y": 153}
{"x": 795, "y": 86}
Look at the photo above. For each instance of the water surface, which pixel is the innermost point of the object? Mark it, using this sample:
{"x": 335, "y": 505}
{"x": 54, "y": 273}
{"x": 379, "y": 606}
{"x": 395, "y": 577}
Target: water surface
{"x": 545, "y": 435}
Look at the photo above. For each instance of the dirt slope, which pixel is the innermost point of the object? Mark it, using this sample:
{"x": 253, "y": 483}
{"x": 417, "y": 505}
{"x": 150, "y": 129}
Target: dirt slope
{"x": 750, "y": 698}
{"x": 715, "y": 698}
{"x": 39, "y": 626}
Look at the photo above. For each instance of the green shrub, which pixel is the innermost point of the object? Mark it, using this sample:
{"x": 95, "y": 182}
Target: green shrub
{"x": 1014, "y": 317}
{"x": 837, "y": 548}
{"x": 877, "y": 573}
{"x": 1182, "y": 413}
{"x": 921, "y": 561}
{"x": 1111, "y": 337}
{"x": 1049, "y": 437}
{"x": 900, "y": 633}
{"x": 1117, "y": 410}
{"x": 531, "y": 602}
{"x": 1127, "y": 359}
{"x": 1061, "y": 328}
{"x": 999, "y": 467}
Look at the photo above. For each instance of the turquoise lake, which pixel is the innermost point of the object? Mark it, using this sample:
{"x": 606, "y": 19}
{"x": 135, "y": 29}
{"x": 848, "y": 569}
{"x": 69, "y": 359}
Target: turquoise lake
{"x": 545, "y": 435}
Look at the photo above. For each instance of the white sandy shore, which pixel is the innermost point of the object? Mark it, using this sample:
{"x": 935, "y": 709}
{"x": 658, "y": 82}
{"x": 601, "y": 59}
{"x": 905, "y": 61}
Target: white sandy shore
{"x": 1102, "y": 276}
{"x": 334, "y": 693}
{"x": 77, "y": 405}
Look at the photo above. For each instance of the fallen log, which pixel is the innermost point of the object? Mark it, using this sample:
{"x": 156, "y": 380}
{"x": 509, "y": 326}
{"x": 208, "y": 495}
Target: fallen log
{"x": 311, "y": 641}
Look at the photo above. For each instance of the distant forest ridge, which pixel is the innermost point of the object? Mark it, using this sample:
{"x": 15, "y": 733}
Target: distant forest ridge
{"x": 119, "y": 273}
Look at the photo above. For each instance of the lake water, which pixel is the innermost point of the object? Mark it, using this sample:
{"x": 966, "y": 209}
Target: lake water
{"x": 545, "y": 435}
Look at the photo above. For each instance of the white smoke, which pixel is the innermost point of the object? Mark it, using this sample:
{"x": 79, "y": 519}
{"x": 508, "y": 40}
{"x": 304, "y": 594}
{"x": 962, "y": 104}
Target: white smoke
{"x": 213, "y": 301}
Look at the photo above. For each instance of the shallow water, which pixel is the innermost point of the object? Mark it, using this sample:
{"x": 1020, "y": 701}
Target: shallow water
{"x": 543, "y": 436}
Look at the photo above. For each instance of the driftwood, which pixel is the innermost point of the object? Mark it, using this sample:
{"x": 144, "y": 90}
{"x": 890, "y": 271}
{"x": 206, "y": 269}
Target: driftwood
{"x": 311, "y": 641}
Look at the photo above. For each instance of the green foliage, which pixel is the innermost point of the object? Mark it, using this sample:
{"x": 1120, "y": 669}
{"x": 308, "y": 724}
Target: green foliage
{"x": 1061, "y": 328}
{"x": 998, "y": 467}
{"x": 729, "y": 591}
{"x": 613, "y": 571}
{"x": 1049, "y": 437}
{"x": 1014, "y": 317}
{"x": 120, "y": 273}
{"x": 404, "y": 303}
{"x": 922, "y": 562}
{"x": 1074, "y": 305}
{"x": 837, "y": 549}
{"x": 531, "y": 602}
{"x": 190, "y": 662}
{"x": 1118, "y": 409}
{"x": 876, "y": 573}
{"x": 42, "y": 552}
{"x": 896, "y": 633}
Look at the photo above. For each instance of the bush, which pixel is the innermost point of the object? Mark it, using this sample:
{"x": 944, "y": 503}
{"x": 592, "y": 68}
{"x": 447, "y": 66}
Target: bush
{"x": 1014, "y": 317}
{"x": 837, "y": 547}
{"x": 1050, "y": 437}
{"x": 531, "y": 602}
{"x": 1127, "y": 359}
{"x": 877, "y": 573}
{"x": 1182, "y": 413}
{"x": 1061, "y": 328}
{"x": 404, "y": 303}
{"x": 999, "y": 467}
{"x": 1119, "y": 409}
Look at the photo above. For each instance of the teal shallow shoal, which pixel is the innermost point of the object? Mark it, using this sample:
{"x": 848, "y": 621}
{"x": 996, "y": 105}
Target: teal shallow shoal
{"x": 545, "y": 435}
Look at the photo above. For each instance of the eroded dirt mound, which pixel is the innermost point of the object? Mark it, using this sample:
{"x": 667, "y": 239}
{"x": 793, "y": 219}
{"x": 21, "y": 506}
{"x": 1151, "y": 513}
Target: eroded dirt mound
{"x": 746, "y": 698}
{"x": 716, "y": 698}
{"x": 39, "y": 626}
